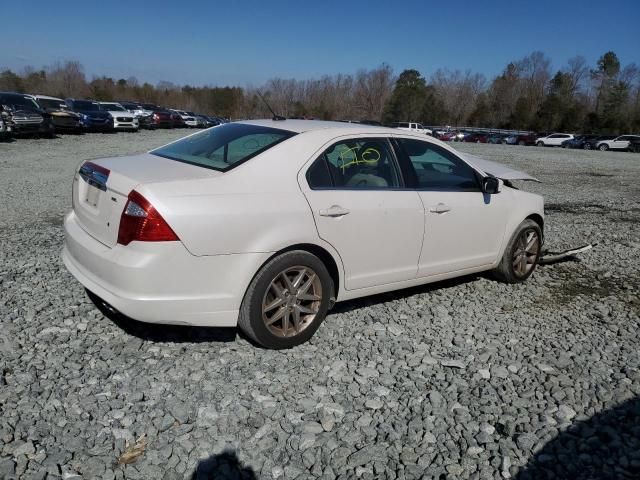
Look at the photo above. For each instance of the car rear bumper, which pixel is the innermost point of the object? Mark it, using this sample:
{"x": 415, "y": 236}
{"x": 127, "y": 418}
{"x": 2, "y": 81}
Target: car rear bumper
{"x": 160, "y": 282}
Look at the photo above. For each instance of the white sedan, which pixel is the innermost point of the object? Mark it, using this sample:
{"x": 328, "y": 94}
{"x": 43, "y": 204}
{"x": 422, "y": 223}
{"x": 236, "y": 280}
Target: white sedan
{"x": 266, "y": 224}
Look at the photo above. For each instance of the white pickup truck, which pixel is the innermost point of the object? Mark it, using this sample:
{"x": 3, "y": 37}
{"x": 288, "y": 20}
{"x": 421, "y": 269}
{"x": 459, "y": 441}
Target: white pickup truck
{"x": 413, "y": 127}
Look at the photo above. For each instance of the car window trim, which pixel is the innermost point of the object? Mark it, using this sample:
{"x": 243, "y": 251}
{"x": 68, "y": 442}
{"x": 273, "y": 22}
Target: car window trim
{"x": 394, "y": 162}
{"x": 407, "y": 160}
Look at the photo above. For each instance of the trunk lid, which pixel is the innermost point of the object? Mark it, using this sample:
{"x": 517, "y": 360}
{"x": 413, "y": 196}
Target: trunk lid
{"x": 101, "y": 188}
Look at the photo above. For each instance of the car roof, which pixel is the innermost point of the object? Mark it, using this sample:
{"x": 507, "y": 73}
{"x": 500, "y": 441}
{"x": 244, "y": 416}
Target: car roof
{"x": 300, "y": 126}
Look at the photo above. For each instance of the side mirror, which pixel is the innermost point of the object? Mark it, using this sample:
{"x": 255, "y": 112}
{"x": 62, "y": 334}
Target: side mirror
{"x": 490, "y": 185}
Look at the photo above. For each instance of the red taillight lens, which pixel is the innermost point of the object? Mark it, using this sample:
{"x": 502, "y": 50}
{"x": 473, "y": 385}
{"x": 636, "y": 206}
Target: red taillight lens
{"x": 141, "y": 221}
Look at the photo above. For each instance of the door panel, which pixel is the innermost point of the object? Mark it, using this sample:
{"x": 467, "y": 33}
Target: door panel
{"x": 378, "y": 240}
{"x": 464, "y": 227}
{"x": 462, "y": 230}
{"x": 354, "y": 191}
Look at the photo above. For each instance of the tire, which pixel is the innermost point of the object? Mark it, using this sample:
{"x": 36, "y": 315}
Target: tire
{"x": 522, "y": 143}
{"x": 540, "y": 144}
{"x": 506, "y": 272}
{"x": 587, "y": 146}
{"x": 260, "y": 303}
{"x": 604, "y": 147}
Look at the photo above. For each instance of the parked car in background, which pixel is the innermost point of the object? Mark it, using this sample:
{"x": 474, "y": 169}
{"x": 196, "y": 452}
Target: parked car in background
{"x": 94, "y": 118}
{"x": 253, "y": 232}
{"x": 619, "y": 143}
{"x": 201, "y": 121}
{"x": 497, "y": 138}
{"x": 590, "y": 144}
{"x": 521, "y": 139}
{"x": 27, "y": 117}
{"x": 634, "y": 145}
{"x": 123, "y": 119}
{"x": 176, "y": 119}
{"x": 412, "y": 127}
{"x": 458, "y": 136}
{"x": 63, "y": 119}
{"x": 578, "y": 141}
{"x": 213, "y": 121}
{"x": 447, "y": 136}
{"x": 189, "y": 120}
{"x": 160, "y": 118}
{"x": 477, "y": 138}
{"x": 143, "y": 115}
{"x": 553, "y": 140}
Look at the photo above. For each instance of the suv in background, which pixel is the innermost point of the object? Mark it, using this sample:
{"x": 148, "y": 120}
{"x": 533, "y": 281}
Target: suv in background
{"x": 26, "y": 115}
{"x": 590, "y": 144}
{"x": 619, "y": 143}
{"x": 412, "y": 127}
{"x": 553, "y": 140}
{"x": 123, "y": 119}
{"x": 62, "y": 118}
{"x": 144, "y": 115}
{"x": 189, "y": 119}
{"x": 93, "y": 117}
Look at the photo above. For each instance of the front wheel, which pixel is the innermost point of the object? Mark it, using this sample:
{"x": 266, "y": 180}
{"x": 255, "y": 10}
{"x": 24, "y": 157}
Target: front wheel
{"x": 287, "y": 300}
{"x": 521, "y": 255}
{"x": 540, "y": 144}
{"x": 604, "y": 147}
{"x": 587, "y": 146}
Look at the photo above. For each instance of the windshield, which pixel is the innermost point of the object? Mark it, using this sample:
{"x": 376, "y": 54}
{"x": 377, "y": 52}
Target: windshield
{"x": 19, "y": 102}
{"x": 86, "y": 105}
{"x": 224, "y": 147}
{"x": 111, "y": 107}
{"x": 50, "y": 103}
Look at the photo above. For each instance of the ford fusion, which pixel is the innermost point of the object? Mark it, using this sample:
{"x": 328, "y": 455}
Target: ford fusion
{"x": 266, "y": 224}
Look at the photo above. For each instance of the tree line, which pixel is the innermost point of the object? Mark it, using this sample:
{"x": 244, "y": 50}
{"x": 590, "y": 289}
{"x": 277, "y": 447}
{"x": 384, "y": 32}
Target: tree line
{"x": 526, "y": 95}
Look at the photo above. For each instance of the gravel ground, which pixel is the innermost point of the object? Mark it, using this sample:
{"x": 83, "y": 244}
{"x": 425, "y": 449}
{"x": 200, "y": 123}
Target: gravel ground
{"x": 463, "y": 379}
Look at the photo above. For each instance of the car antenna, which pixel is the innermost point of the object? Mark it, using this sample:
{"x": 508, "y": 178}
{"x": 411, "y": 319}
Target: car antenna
{"x": 275, "y": 117}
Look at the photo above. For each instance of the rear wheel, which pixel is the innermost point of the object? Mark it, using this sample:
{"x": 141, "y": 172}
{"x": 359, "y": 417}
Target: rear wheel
{"x": 587, "y": 146}
{"x": 286, "y": 301}
{"x": 604, "y": 147}
{"x": 521, "y": 255}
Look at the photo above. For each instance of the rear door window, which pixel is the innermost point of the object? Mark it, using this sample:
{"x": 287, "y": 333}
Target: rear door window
{"x": 358, "y": 164}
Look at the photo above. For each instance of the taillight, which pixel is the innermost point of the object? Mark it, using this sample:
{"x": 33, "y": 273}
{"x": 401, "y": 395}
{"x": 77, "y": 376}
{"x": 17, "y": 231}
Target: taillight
{"x": 141, "y": 221}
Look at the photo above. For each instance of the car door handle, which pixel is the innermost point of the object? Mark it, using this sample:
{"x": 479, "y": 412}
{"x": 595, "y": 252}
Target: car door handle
{"x": 439, "y": 208}
{"x": 333, "y": 211}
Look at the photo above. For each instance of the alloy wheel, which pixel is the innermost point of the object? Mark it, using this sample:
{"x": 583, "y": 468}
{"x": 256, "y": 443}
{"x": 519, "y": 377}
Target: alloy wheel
{"x": 292, "y": 301}
{"x": 526, "y": 252}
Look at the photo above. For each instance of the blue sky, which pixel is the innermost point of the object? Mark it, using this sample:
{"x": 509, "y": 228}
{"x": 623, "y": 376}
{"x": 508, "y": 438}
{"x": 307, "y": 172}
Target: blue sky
{"x": 246, "y": 42}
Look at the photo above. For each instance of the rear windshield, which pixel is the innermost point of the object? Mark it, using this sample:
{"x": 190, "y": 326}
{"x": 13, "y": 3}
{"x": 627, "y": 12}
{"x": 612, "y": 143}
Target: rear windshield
{"x": 224, "y": 147}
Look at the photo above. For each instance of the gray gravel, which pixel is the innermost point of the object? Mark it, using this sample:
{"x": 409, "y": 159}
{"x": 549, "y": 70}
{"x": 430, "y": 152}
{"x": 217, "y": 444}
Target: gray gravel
{"x": 464, "y": 379}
